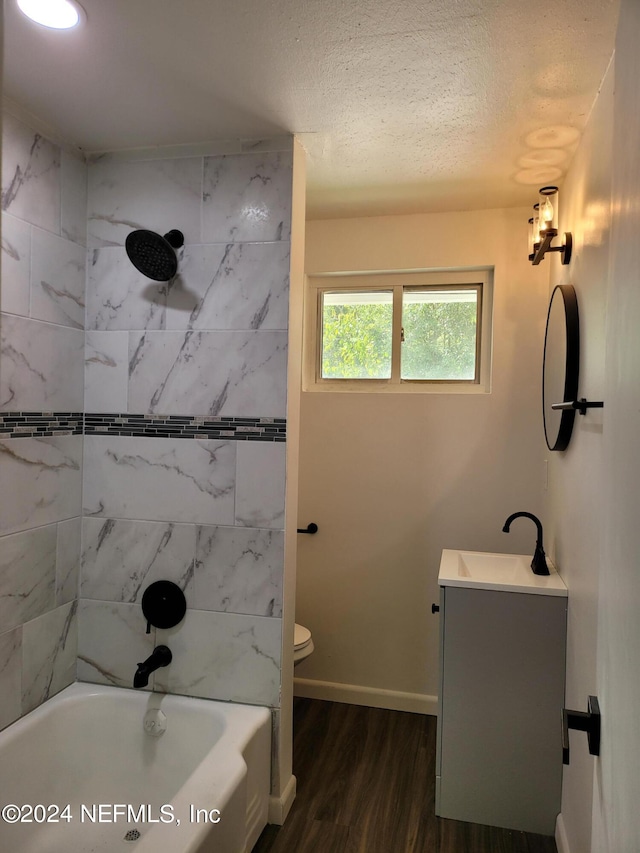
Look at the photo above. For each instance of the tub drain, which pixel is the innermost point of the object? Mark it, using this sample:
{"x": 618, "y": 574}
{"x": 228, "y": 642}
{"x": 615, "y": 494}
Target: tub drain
{"x": 132, "y": 835}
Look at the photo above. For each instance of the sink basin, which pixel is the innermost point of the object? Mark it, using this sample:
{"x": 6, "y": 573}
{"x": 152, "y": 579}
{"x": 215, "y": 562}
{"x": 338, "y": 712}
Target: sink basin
{"x": 481, "y": 566}
{"x": 506, "y": 572}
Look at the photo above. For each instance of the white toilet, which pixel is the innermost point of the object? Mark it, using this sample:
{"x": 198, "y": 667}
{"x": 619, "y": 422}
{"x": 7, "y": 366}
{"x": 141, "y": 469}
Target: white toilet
{"x": 302, "y": 643}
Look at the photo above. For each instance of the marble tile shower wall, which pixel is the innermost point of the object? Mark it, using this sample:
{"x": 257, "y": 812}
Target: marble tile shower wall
{"x": 198, "y": 505}
{"x": 41, "y": 371}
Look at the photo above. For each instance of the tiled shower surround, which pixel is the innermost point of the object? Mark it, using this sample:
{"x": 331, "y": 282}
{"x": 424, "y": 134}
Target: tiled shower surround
{"x": 44, "y": 204}
{"x": 183, "y": 463}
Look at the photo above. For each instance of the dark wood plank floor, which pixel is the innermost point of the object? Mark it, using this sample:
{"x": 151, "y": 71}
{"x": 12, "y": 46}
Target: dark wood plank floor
{"x": 366, "y": 784}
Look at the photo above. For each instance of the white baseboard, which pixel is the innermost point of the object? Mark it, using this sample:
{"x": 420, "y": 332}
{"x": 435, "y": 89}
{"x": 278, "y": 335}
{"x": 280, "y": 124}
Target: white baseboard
{"x": 562, "y": 843}
{"x": 354, "y": 694}
{"x": 279, "y": 807}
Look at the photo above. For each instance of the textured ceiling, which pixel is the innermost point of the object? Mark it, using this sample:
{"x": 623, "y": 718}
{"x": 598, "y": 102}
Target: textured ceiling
{"x": 402, "y": 105}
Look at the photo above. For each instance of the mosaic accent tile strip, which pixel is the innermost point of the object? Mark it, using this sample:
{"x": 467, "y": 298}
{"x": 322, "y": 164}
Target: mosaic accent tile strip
{"x": 187, "y": 426}
{"x": 39, "y": 424}
{"x": 42, "y": 424}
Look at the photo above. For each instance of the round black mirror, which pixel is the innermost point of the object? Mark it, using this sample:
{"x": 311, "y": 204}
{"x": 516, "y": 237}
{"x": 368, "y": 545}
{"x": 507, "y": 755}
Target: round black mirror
{"x": 560, "y": 366}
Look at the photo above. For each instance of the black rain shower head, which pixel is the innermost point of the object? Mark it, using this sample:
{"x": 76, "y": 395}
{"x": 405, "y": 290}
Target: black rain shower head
{"x": 152, "y": 255}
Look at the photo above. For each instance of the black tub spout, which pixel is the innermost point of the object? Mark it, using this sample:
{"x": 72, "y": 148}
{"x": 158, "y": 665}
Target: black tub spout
{"x": 539, "y": 562}
{"x": 161, "y": 656}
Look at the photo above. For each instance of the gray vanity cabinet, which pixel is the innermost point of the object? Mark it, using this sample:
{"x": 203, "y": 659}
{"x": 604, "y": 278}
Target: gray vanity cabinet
{"x": 502, "y": 673}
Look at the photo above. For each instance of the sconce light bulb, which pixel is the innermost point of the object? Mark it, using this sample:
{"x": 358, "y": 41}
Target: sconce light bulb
{"x": 546, "y": 214}
{"x": 548, "y": 208}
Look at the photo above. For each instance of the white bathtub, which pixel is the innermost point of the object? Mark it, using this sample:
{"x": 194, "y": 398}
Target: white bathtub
{"x": 87, "y": 748}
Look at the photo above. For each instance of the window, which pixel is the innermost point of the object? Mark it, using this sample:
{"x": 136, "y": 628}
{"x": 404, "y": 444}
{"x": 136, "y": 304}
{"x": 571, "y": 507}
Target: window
{"x": 440, "y": 333}
{"x": 399, "y": 331}
{"x": 356, "y": 334}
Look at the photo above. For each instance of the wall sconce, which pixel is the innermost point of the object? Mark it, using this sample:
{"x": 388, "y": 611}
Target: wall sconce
{"x": 543, "y": 227}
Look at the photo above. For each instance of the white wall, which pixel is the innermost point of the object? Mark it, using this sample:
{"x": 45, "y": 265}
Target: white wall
{"x": 393, "y": 479}
{"x": 617, "y": 791}
{"x": 595, "y": 486}
{"x": 575, "y": 476}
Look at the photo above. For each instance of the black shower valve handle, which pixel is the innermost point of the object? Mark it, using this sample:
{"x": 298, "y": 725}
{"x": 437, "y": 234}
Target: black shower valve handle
{"x": 163, "y": 605}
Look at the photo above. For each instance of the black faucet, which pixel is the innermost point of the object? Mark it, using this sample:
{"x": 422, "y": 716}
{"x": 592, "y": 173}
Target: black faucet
{"x": 161, "y": 656}
{"x": 539, "y": 562}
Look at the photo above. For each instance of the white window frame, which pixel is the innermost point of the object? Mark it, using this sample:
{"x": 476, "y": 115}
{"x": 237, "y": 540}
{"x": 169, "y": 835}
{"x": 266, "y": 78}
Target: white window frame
{"x": 396, "y": 281}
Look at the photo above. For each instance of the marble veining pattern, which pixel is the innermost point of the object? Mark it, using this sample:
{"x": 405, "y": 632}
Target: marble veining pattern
{"x": 223, "y": 656}
{"x": 57, "y": 279}
{"x": 43, "y": 366}
{"x": 121, "y": 558}
{"x": 74, "y": 198}
{"x": 49, "y": 651}
{"x": 47, "y": 481}
{"x": 30, "y": 175}
{"x": 119, "y": 297}
{"x": 208, "y": 373}
{"x": 208, "y": 349}
{"x": 239, "y": 570}
{"x": 237, "y": 286}
{"x": 111, "y": 641}
{"x": 15, "y": 273}
{"x": 68, "y": 560}
{"x": 106, "y": 375}
{"x": 27, "y": 575}
{"x": 260, "y": 485}
{"x": 247, "y": 197}
{"x": 10, "y": 676}
{"x": 161, "y": 480}
{"x": 157, "y": 195}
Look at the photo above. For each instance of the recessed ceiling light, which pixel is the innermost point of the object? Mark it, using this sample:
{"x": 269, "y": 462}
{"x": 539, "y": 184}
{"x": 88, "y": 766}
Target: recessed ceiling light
{"x": 55, "y": 14}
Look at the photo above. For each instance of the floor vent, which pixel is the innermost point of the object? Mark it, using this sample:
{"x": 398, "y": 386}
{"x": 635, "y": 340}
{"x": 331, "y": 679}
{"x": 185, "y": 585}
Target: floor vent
{"x": 132, "y": 835}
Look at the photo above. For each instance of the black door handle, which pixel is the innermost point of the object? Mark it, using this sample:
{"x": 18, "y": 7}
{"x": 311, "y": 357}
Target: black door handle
{"x": 588, "y": 722}
{"x": 310, "y": 528}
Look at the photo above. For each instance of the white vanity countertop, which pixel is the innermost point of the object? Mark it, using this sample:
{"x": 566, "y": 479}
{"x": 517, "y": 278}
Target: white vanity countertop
{"x": 505, "y": 572}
